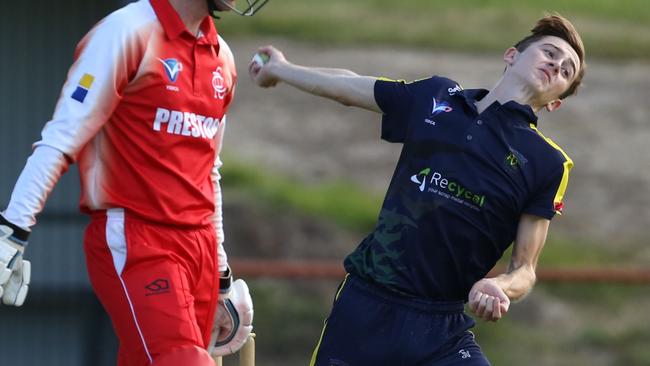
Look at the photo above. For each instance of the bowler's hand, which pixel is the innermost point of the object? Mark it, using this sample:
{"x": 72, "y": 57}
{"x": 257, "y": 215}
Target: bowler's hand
{"x": 262, "y": 75}
{"x": 488, "y": 301}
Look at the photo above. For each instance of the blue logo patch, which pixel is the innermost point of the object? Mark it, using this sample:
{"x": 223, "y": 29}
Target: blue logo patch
{"x": 84, "y": 85}
{"x": 172, "y": 68}
{"x": 439, "y": 107}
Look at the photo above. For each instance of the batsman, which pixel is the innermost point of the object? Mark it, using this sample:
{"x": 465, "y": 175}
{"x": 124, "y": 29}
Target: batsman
{"x": 143, "y": 114}
{"x": 475, "y": 175}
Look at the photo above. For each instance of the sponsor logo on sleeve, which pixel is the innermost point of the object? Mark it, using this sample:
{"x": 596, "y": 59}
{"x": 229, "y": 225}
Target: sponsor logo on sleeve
{"x": 84, "y": 85}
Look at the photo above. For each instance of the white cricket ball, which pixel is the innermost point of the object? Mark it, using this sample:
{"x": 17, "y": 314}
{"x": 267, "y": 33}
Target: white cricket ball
{"x": 260, "y": 59}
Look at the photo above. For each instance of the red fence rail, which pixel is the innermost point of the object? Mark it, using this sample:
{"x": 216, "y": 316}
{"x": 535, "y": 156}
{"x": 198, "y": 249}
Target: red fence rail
{"x": 330, "y": 269}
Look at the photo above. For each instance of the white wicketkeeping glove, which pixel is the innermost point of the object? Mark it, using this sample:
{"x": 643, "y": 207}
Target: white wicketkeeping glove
{"x": 233, "y": 322}
{"x": 15, "y": 273}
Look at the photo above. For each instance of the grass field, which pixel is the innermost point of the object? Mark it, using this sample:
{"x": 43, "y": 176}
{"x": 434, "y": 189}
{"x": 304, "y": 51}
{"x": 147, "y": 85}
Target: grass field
{"x": 611, "y": 29}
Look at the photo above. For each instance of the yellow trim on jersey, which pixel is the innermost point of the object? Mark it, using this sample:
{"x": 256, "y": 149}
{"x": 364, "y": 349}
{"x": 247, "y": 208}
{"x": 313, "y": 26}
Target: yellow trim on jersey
{"x": 383, "y": 78}
{"x": 568, "y": 165}
{"x": 86, "y": 81}
{"x": 338, "y": 293}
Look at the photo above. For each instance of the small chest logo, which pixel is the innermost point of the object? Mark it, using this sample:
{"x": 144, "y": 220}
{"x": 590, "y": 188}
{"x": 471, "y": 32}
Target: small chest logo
{"x": 437, "y": 108}
{"x": 511, "y": 160}
{"x": 172, "y": 68}
{"x": 219, "y": 84}
{"x": 515, "y": 160}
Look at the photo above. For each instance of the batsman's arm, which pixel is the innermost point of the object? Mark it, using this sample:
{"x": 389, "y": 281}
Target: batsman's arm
{"x": 217, "y": 217}
{"x": 343, "y": 86}
{"x": 39, "y": 176}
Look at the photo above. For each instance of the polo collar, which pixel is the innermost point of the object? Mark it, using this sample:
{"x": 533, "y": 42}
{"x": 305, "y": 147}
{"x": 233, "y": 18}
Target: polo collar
{"x": 174, "y": 26}
{"x": 516, "y": 111}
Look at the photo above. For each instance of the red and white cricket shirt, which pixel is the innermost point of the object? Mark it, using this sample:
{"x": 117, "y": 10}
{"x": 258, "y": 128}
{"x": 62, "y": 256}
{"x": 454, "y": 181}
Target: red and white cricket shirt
{"x": 143, "y": 113}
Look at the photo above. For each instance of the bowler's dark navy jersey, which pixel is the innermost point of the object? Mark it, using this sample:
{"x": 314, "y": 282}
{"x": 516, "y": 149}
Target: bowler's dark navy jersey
{"x": 462, "y": 182}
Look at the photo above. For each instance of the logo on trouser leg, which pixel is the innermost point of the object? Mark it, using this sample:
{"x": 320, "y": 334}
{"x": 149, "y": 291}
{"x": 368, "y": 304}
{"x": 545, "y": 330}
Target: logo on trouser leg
{"x": 157, "y": 287}
{"x": 335, "y": 362}
{"x": 464, "y": 354}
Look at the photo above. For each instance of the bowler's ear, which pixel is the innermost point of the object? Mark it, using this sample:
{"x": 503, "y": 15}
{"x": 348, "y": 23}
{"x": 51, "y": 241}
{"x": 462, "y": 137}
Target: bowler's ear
{"x": 553, "y": 105}
{"x": 510, "y": 55}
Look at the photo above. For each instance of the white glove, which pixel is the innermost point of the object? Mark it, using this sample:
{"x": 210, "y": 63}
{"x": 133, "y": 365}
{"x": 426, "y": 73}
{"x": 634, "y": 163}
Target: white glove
{"x": 233, "y": 322}
{"x": 15, "y": 273}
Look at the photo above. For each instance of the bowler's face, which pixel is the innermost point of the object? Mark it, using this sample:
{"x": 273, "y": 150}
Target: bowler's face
{"x": 549, "y": 65}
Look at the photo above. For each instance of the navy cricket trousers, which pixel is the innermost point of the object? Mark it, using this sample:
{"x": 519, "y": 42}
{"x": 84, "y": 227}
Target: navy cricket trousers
{"x": 373, "y": 326}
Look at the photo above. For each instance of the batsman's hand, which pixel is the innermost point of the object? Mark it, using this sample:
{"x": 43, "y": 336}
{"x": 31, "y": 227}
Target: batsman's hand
{"x": 15, "y": 273}
{"x": 263, "y": 73}
{"x": 488, "y": 301}
{"x": 233, "y": 322}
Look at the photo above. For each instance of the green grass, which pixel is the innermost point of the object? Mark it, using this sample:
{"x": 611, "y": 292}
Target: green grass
{"x": 613, "y": 29}
{"x": 343, "y": 203}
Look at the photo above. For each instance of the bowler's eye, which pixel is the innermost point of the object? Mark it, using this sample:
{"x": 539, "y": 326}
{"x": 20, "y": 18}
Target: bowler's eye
{"x": 565, "y": 72}
{"x": 549, "y": 53}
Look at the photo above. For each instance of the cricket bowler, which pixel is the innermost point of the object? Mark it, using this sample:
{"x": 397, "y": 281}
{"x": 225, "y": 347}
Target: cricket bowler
{"x": 475, "y": 175}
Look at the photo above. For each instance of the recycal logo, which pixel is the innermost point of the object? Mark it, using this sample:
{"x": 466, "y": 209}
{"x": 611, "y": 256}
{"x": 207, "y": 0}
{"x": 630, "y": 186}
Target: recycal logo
{"x": 435, "y": 182}
{"x": 437, "y": 108}
{"x": 157, "y": 287}
{"x": 416, "y": 178}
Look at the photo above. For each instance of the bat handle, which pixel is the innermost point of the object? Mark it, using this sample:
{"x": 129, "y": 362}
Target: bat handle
{"x": 218, "y": 361}
{"x": 246, "y": 353}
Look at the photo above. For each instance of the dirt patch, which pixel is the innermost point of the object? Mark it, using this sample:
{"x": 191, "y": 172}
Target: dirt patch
{"x": 604, "y": 129}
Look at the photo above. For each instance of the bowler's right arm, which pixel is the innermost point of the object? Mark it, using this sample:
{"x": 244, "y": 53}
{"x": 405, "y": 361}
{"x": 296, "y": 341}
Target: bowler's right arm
{"x": 343, "y": 86}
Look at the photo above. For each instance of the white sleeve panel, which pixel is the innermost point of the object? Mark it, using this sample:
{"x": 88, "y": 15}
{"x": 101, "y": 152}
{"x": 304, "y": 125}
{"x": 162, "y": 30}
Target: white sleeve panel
{"x": 105, "y": 59}
{"x": 226, "y": 53}
{"x": 217, "y": 218}
{"x": 41, "y": 172}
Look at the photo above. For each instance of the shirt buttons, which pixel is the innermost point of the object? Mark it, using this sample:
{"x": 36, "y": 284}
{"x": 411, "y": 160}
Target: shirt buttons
{"x": 479, "y": 122}
{"x": 469, "y": 137}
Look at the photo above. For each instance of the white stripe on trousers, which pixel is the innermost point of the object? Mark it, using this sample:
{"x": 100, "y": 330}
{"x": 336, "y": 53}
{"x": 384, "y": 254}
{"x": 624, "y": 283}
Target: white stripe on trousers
{"x": 117, "y": 244}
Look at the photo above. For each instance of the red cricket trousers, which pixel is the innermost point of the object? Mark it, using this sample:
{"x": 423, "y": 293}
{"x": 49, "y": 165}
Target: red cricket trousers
{"x": 159, "y": 284}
